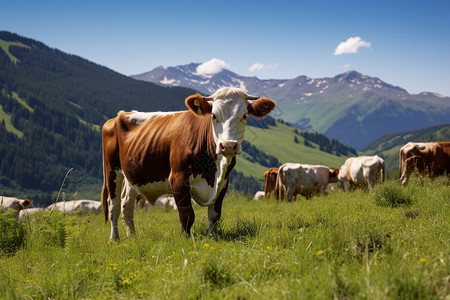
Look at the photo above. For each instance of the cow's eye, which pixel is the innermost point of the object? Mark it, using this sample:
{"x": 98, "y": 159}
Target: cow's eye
{"x": 244, "y": 117}
{"x": 214, "y": 117}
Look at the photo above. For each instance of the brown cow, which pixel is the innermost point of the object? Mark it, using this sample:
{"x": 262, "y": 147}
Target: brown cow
{"x": 432, "y": 159}
{"x": 189, "y": 154}
{"x": 270, "y": 178}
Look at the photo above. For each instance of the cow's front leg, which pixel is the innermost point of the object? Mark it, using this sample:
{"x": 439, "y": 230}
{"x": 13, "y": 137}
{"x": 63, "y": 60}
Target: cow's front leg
{"x": 182, "y": 194}
{"x": 405, "y": 177}
{"x": 215, "y": 211}
{"x": 128, "y": 201}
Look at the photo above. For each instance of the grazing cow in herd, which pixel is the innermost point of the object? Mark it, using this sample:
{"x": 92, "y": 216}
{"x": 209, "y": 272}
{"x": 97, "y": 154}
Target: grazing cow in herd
{"x": 189, "y": 154}
{"x": 14, "y": 203}
{"x": 361, "y": 171}
{"x": 26, "y": 213}
{"x": 259, "y": 195}
{"x": 166, "y": 201}
{"x": 303, "y": 179}
{"x": 80, "y": 206}
{"x": 270, "y": 178}
{"x": 432, "y": 159}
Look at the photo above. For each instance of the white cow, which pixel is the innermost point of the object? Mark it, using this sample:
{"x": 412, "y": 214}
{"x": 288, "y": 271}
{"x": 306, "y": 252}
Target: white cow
{"x": 163, "y": 201}
{"x": 259, "y": 195}
{"x": 361, "y": 171}
{"x": 303, "y": 179}
{"x": 80, "y": 206}
{"x": 13, "y": 203}
{"x": 26, "y": 213}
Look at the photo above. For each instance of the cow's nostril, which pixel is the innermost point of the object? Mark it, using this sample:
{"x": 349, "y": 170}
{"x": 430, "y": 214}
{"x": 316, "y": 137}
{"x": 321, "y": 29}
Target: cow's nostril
{"x": 235, "y": 146}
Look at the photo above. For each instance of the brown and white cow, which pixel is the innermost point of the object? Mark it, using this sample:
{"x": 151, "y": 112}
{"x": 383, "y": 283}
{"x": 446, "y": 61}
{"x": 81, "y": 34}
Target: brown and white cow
{"x": 361, "y": 171}
{"x": 13, "y": 203}
{"x": 188, "y": 154}
{"x": 306, "y": 180}
{"x": 432, "y": 159}
{"x": 270, "y": 179}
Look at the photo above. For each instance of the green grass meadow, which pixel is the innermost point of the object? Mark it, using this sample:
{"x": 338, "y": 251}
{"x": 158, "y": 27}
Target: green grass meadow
{"x": 355, "y": 245}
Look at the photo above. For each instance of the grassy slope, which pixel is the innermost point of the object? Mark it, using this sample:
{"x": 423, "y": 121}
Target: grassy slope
{"x": 342, "y": 246}
{"x": 5, "y": 46}
{"x": 8, "y": 125}
{"x": 279, "y": 142}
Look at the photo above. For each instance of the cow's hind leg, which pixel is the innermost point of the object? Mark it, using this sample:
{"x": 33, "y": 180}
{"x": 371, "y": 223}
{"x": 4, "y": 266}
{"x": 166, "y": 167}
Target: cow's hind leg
{"x": 128, "y": 201}
{"x": 114, "y": 207}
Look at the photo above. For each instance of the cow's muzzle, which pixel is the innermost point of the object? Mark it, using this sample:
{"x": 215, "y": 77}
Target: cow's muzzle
{"x": 229, "y": 148}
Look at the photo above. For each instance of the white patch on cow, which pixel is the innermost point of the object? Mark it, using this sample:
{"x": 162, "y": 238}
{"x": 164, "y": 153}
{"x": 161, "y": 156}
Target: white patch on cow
{"x": 154, "y": 190}
{"x": 141, "y": 117}
{"x": 201, "y": 192}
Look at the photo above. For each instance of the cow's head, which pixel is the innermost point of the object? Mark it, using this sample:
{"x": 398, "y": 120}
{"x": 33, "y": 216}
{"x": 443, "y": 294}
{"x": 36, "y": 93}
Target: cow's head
{"x": 334, "y": 175}
{"x": 228, "y": 109}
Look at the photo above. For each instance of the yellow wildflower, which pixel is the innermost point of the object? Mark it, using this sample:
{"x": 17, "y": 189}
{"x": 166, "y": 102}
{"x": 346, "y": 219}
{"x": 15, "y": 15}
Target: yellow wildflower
{"x": 206, "y": 245}
{"x": 320, "y": 252}
{"x": 268, "y": 248}
{"x": 127, "y": 281}
{"x": 422, "y": 260}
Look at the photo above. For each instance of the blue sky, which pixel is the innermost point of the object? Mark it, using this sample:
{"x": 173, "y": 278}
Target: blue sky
{"x": 405, "y": 43}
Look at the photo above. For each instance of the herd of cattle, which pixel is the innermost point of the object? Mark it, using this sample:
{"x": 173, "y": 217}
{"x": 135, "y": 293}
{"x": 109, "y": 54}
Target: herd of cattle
{"x": 190, "y": 154}
{"x": 426, "y": 159}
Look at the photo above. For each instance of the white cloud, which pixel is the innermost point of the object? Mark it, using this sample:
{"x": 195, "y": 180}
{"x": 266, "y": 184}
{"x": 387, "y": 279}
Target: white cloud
{"x": 212, "y": 66}
{"x": 346, "y": 66}
{"x": 258, "y": 67}
{"x": 351, "y": 45}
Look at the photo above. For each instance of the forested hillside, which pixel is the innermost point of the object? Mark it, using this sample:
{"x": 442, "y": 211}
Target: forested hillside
{"x": 52, "y": 105}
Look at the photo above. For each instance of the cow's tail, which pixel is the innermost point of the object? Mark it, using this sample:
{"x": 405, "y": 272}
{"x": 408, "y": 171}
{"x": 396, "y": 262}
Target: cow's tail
{"x": 104, "y": 197}
{"x": 266, "y": 175}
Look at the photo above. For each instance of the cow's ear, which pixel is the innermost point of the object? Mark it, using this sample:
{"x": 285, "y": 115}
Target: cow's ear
{"x": 261, "y": 107}
{"x": 334, "y": 173}
{"x": 197, "y": 104}
{"x": 26, "y": 202}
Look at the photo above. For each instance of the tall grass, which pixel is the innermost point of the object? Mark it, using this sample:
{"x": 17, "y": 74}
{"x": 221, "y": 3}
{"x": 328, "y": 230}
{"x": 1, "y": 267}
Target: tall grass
{"x": 343, "y": 246}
